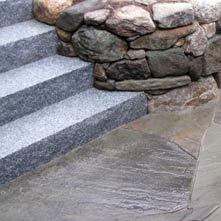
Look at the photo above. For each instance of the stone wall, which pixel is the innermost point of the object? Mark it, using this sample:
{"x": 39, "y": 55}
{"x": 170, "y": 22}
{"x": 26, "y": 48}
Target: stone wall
{"x": 154, "y": 46}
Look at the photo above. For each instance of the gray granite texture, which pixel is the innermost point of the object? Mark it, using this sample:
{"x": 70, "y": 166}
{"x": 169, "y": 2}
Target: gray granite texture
{"x": 14, "y": 11}
{"x": 39, "y": 137}
{"x": 41, "y": 83}
{"x": 24, "y": 43}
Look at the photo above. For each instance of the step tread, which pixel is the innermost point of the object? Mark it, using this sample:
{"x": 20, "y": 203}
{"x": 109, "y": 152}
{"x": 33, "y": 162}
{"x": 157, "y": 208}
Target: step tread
{"x": 22, "y": 30}
{"x": 15, "y": 11}
{"x": 55, "y": 118}
{"x": 37, "y": 72}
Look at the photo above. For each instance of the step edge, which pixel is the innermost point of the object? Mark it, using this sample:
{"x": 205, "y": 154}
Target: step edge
{"x": 127, "y": 105}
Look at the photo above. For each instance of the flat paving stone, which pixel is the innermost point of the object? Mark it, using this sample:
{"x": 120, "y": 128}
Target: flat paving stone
{"x": 186, "y": 129}
{"x": 122, "y": 175}
{"x": 207, "y": 187}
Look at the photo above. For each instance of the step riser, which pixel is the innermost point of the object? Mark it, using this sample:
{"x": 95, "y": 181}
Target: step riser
{"x": 15, "y": 11}
{"x": 49, "y": 92}
{"x": 42, "y": 152}
{"x": 28, "y": 50}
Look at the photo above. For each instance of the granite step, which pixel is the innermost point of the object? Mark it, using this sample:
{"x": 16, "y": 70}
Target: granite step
{"x": 33, "y": 86}
{"x": 54, "y": 130}
{"x": 14, "y": 11}
{"x": 24, "y": 43}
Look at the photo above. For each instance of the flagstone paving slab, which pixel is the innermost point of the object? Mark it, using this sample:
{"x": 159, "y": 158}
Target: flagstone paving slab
{"x": 186, "y": 129}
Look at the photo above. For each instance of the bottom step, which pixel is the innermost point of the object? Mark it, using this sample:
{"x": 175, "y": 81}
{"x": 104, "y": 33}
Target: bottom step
{"x": 39, "y": 137}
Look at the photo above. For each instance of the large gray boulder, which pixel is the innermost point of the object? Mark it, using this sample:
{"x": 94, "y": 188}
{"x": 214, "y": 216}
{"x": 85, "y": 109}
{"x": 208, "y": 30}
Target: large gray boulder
{"x": 172, "y": 62}
{"x": 96, "y": 45}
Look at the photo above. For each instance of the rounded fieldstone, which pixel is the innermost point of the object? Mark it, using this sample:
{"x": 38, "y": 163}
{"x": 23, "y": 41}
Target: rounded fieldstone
{"x": 72, "y": 18}
{"x": 99, "y": 72}
{"x": 212, "y": 56}
{"x": 48, "y": 11}
{"x": 63, "y": 35}
{"x": 207, "y": 11}
{"x": 196, "y": 43}
{"x": 99, "y": 46}
{"x": 196, "y": 68}
{"x": 172, "y": 62}
{"x": 66, "y": 49}
{"x": 128, "y": 69}
{"x": 173, "y": 15}
{"x": 97, "y": 17}
{"x": 130, "y": 20}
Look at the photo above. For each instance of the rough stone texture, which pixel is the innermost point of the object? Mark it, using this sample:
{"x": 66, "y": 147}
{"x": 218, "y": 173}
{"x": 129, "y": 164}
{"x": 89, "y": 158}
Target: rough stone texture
{"x": 29, "y": 42}
{"x": 66, "y": 49}
{"x": 135, "y": 54}
{"x": 153, "y": 84}
{"x": 48, "y": 11}
{"x": 131, "y": 41}
{"x": 172, "y": 62}
{"x": 129, "y": 21}
{"x": 64, "y": 125}
{"x": 196, "y": 68}
{"x": 162, "y": 39}
{"x": 196, "y": 43}
{"x": 41, "y": 83}
{"x": 207, "y": 11}
{"x": 99, "y": 72}
{"x": 120, "y": 170}
{"x": 10, "y": 14}
{"x": 210, "y": 29}
{"x": 126, "y": 69}
{"x": 71, "y": 18}
{"x": 185, "y": 128}
{"x": 107, "y": 85}
{"x": 63, "y": 35}
{"x": 212, "y": 56}
{"x": 199, "y": 93}
{"x": 207, "y": 189}
{"x": 217, "y": 77}
{"x": 87, "y": 43}
{"x": 173, "y": 15}
{"x": 97, "y": 17}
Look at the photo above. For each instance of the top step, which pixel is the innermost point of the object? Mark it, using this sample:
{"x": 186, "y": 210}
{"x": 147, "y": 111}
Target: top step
{"x": 26, "y": 42}
{"x": 14, "y": 11}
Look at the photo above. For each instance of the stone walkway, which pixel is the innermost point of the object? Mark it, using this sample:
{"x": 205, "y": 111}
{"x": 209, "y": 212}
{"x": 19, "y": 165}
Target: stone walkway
{"x": 141, "y": 171}
{"x": 207, "y": 188}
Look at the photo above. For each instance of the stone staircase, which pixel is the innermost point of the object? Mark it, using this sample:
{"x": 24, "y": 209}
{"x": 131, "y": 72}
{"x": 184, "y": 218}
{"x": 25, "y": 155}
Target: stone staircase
{"x": 47, "y": 102}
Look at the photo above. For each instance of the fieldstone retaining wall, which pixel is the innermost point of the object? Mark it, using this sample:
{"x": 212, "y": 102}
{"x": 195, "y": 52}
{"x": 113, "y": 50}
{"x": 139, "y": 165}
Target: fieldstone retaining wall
{"x": 165, "y": 48}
